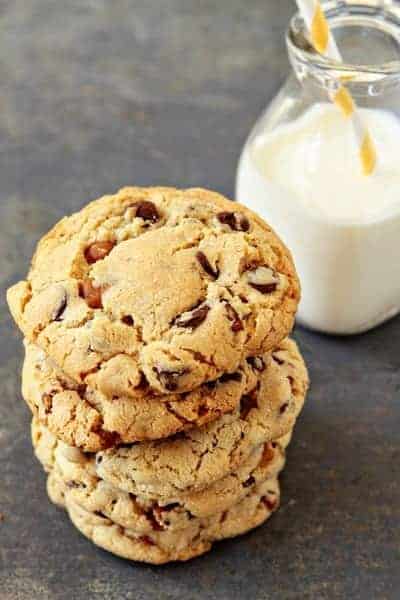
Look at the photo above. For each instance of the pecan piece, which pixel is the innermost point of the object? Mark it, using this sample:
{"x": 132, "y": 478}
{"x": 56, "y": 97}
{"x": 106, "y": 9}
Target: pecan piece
{"x": 194, "y": 318}
{"x": 205, "y": 264}
{"x": 98, "y": 251}
{"x": 263, "y": 279}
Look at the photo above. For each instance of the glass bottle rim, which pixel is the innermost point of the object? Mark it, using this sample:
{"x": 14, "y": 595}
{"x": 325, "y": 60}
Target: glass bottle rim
{"x": 383, "y": 14}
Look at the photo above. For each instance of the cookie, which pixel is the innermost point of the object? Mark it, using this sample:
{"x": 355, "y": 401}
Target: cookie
{"x": 86, "y": 418}
{"x": 75, "y": 471}
{"x": 192, "y": 460}
{"x": 166, "y": 546}
{"x": 157, "y": 290}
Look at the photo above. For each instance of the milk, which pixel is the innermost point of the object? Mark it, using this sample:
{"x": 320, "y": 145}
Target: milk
{"x": 342, "y": 227}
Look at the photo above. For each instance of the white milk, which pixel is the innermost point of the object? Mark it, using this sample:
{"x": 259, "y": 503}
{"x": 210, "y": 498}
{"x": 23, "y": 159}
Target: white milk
{"x": 342, "y": 227}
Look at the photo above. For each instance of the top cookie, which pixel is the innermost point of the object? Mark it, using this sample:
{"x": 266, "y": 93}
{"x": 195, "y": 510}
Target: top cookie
{"x": 157, "y": 290}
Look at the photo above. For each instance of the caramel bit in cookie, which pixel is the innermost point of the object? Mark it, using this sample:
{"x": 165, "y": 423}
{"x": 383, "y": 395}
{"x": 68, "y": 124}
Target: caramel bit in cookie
{"x": 91, "y": 294}
{"x": 60, "y": 308}
{"x": 128, "y": 320}
{"x": 194, "y": 318}
{"x": 169, "y": 379}
{"x": 271, "y": 504}
{"x": 267, "y": 455}
{"x": 257, "y": 363}
{"x": 250, "y": 481}
{"x": 263, "y": 279}
{"x": 98, "y": 251}
{"x": 147, "y": 211}
{"x": 235, "y": 221}
{"x": 247, "y": 403}
{"x": 233, "y": 316}
{"x": 204, "y": 262}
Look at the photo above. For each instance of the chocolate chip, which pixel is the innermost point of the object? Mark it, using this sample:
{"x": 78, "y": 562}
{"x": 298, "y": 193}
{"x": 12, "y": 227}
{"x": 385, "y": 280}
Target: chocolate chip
{"x": 147, "y": 211}
{"x": 257, "y": 363}
{"x": 236, "y": 221}
{"x": 145, "y": 539}
{"x": 169, "y": 507}
{"x": 226, "y": 377}
{"x": 233, "y": 316}
{"x": 143, "y": 383}
{"x": 247, "y": 403}
{"x": 58, "y": 312}
{"x": 98, "y": 251}
{"x": 169, "y": 379}
{"x": 203, "y": 410}
{"x": 47, "y": 400}
{"x": 99, "y": 459}
{"x": 263, "y": 279}
{"x": 270, "y": 504}
{"x": 194, "y": 318}
{"x": 91, "y": 294}
{"x": 204, "y": 262}
{"x": 73, "y": 485}
{"x": 250, "y": 481}
{"x": 278, "y": 360}
{"x": 283, "y": 408}
{"x": 98, "y": 513}
{"x": 128, "y": 320}
{"x": 152, "y": 517}
{"x": 267, "y": 288}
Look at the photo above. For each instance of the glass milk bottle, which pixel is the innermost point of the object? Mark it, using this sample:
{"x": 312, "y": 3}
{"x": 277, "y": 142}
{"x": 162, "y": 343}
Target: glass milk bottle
{"x": 300, "y": 170}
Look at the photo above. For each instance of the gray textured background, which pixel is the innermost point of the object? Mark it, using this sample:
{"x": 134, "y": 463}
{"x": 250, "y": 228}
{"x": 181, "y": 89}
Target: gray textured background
{"x": 97, "y": 94}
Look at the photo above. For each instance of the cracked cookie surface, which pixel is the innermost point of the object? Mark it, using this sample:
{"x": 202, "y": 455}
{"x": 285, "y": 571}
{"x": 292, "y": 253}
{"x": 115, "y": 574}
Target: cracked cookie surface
{"x": 156, "y": 291}
{"x": 166, "y": 546}
{"x": 192, "y": 460}
{"x": 88, "y": 419}
{"x": 75, "y": 472}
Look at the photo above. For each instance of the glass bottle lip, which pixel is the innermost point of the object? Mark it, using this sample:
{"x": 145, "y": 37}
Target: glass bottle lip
{"x": 380, "y": 13}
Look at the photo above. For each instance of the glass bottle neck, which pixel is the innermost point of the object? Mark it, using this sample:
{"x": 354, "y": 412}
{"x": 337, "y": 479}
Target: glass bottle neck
{"x": 368, "y": 34}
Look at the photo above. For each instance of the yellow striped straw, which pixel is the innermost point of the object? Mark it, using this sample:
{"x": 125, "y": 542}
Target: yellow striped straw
{"x": 324, "y": 42}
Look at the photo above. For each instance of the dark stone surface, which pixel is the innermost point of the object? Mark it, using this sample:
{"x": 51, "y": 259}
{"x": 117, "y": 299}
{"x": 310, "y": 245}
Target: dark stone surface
{"x": 98, "y": 94}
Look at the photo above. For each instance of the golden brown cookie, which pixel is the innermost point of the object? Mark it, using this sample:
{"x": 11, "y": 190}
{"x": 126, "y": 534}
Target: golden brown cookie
{"x": 157, "y": 290}
{"x": 88, "y": 419}
{"x": 166, "y": 546}
{"x": 75, "y": 471}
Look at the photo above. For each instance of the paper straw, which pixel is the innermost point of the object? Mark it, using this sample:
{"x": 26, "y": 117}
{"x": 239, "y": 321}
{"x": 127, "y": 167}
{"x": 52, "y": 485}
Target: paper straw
{"x": 324, "y": 42}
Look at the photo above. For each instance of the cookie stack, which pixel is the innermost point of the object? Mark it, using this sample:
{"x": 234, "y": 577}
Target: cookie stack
{"x": 163, "y": 386}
